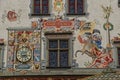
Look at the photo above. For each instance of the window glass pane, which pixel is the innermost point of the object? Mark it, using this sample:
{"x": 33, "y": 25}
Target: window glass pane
{"x": 58, "y": 52}
{"x": 79, "y": 6}
{"x": 63, "y": 43}
{"x": 36, "y": 55}
{"x": 41, "y": 7}
{"x": 53, "y": 43}
{"x": 37, "y": 9}
{"x": 53, "y": 60}
{"x": 37, "y": 2}
{"x": 71, "y": 7}
{"x": 64, "y": 58}
{"x": 45, "y": 6}
{"x": 36, "y": 6}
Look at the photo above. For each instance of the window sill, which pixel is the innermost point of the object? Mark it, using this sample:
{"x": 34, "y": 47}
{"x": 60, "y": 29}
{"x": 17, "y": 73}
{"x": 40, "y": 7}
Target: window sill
{"x": 117, "y": 42}
{"x": 59, "y": 67}
{"x": 118, "y": 66}
{"x": 40, "y": 15}
{"x": 58, "y": 33}
{"x": 1, "y": 44}
{"x": 81, "y": 14}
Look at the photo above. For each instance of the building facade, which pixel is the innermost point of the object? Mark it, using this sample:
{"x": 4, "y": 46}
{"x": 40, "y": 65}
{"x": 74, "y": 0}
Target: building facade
{"x": 58, "y": 38}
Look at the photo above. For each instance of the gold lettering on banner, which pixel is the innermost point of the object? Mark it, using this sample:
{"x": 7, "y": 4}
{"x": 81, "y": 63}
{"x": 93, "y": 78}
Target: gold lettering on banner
{"x": 57, "y": 23}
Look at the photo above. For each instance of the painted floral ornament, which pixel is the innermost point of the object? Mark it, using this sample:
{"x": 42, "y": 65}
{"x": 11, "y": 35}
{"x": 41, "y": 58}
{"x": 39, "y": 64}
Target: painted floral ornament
{"x": 108, "y": 26}
{"x": 12, "y": 16}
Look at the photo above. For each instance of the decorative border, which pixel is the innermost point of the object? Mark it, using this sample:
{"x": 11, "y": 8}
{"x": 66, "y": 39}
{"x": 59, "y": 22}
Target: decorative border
{"x": 38, "y": 46}
{"x": 2, "y": 57}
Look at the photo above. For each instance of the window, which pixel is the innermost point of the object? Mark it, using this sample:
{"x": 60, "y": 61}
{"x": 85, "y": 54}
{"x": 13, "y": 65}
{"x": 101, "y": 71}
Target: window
{"x": 58, "y": 51}
{"x": 40, "y": 7}
{"x": 75, "y": 7}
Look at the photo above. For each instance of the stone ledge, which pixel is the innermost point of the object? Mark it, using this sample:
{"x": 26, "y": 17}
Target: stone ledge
{"x": 76, "y": 71}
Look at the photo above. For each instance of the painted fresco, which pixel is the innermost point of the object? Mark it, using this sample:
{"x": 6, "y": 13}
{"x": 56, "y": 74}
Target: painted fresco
{"x": 92, "y": 47}
{"x": 58, "y": 25}
{"x": 90, "y": 39}
{"x": 21, "y": 42}
{"x": 11, "y": 15}
{"x": 58, "y": 5}
{"x": 58, "y": 37}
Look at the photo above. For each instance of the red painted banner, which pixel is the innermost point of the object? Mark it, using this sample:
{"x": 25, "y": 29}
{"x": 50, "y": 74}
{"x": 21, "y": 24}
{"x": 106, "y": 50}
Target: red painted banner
{"x": 58, "y": 23}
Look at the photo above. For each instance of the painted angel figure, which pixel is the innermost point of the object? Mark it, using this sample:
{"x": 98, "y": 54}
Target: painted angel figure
{"x": 107, "y": 10}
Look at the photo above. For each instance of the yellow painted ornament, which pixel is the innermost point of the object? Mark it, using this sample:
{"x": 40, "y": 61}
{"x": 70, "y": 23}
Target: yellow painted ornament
{"x": 58, "y": 5}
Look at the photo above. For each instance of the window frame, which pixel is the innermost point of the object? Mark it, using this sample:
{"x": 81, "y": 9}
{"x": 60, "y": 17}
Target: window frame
{"x": 118, "y": 53}
{"x": 116, "y": 44}
{"x": 73, "y": 14}
{"x": 48, "y": 37}
{"x": 119, "y": 3}
{"x": 32, "y": 13}
{"x": 58, "y": 49}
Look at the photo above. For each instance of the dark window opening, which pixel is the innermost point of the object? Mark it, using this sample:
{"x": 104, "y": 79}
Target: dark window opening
{"x": 58, "y": 53}
{"x": 118, "y": 56}
{"x": 40, "y": 8}
{"x": 75, "y": 7}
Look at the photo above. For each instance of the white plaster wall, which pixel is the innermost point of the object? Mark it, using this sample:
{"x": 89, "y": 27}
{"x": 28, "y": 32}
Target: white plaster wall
{"x": 93, "y": 8}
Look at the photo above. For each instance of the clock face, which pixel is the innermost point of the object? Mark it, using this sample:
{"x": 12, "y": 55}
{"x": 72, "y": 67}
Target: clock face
{"x": 24, "y": 54}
